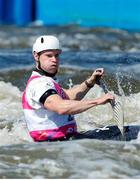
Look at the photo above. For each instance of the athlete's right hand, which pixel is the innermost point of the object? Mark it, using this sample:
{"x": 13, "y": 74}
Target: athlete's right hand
{"x": 106, "y": 98}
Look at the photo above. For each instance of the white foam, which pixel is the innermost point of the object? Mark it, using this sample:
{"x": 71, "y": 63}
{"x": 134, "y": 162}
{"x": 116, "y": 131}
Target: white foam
{"x": 17, "y": 135}
{"x": 103, "y": 114}
{"x": 11, "y": 112}
{"x": 10, "y": 102}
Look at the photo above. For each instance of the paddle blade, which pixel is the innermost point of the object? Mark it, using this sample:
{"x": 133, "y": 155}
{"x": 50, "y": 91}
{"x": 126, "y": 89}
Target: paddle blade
{"x": 116, "y": 106}
{"x": 118, "y": 115}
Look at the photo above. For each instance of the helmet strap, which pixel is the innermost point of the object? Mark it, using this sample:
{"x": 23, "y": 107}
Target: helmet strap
{"x": 42, "y": 72}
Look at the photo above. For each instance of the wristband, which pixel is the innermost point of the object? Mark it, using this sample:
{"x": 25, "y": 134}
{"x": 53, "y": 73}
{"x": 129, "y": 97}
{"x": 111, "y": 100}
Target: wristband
{"x": 88, "y": 85}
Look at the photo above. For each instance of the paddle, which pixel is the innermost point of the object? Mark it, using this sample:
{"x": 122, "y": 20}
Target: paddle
{"x": 103, "y": 85}
{"x": 116, "y": 105}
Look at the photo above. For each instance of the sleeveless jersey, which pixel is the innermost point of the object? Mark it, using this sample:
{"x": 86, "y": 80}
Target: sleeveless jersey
{"x": 42, "y": 123}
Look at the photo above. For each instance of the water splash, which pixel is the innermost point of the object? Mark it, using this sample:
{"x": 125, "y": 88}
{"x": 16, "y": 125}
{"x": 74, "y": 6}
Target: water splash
{"x": 120, "y": 101}
{"x": 116, "y": 106}
{"x": 70, "y": 83}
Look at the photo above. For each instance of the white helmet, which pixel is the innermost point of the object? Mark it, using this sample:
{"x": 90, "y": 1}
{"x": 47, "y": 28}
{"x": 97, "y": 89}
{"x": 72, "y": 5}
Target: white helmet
{"x": 46, "y": 42}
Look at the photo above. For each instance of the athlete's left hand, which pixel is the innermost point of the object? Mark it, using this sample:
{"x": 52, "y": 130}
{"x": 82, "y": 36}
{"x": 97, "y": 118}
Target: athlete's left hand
{"x": 98, "y": 72}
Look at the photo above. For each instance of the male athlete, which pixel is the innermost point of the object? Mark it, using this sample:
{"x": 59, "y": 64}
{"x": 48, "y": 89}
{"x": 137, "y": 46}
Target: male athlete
{"x": 49, "y": 109}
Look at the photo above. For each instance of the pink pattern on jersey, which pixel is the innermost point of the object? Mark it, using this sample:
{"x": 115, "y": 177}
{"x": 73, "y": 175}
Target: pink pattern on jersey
{"x": 53, "y": 134}
{"x": 60, "y": 91}
{"x": 25, "y": 103}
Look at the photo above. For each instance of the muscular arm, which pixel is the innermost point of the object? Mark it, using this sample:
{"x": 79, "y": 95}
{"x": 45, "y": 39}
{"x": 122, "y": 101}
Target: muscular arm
{"x": 77, "y": 92}
{"x": 57, "y": 104}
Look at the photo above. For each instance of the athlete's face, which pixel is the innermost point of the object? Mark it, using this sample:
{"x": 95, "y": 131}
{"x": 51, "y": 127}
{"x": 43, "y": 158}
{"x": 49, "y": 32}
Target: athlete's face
{"x": 49, "y": 60}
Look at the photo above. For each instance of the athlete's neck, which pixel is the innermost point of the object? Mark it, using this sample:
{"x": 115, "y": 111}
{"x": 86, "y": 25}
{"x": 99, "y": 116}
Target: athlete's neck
{"x": 42, "y": 72}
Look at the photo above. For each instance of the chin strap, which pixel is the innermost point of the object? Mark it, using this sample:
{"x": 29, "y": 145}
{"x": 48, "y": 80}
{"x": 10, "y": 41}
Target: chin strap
{"x": 42, "y": 72}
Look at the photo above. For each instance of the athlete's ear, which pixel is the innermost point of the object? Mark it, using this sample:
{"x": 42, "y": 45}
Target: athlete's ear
{"x": 36, "y": 56}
